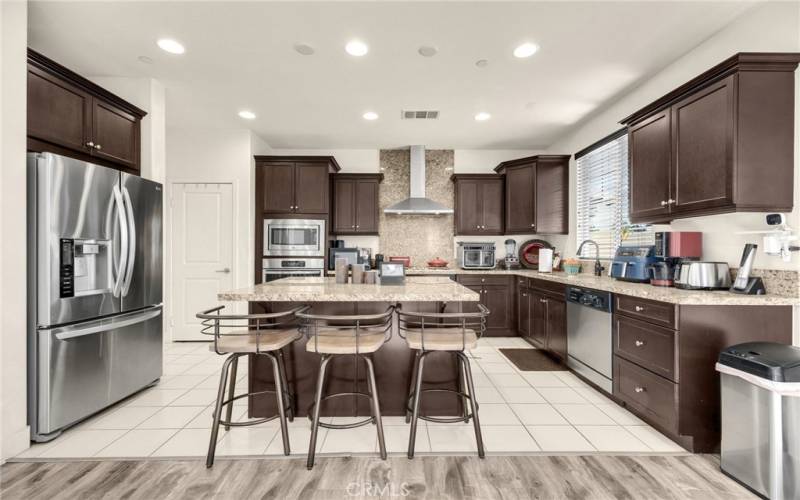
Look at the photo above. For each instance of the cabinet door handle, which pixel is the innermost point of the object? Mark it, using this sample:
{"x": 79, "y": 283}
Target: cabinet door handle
{"x": 639, "y": 308}
{"x": 639, "y": 389}
{"x": 224, "y": 271}
{"x": 524, "y": 294}
{"x": 89, "y": 144}
{"x": 357, "y": 226}
{"x": 663, "y": 203}
{"x": 671, "y": 201}
{"x": 533, "y": 225}
{"x": 639, "y": 343}
{"x": 98, "y": 147}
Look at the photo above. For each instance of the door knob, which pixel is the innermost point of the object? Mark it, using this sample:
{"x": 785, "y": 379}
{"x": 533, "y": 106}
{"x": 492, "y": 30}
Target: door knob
{"x": 639, "y": 308}
{"x": 90, "y": 144}
{"x": 639, "y": 389}
{"x": 98, "y": 147}
{"x": 639, "y": 343}
{"x": 224, "y": 270}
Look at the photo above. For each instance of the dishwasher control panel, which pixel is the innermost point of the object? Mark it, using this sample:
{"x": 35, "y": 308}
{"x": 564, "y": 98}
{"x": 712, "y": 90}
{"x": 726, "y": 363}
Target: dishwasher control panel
{"x": 595, "y": 299}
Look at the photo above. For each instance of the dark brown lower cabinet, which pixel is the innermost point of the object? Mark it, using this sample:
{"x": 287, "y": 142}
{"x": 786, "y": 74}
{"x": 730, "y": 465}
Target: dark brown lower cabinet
{"x": 523, "y": 311}
{"x": 556, "y": 318}
{"x": 497, "y": 294}
{"x": 664, "y": 357}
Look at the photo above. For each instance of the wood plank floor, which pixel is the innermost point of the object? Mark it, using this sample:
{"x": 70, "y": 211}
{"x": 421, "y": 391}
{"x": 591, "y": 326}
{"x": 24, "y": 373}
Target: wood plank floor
{"x": 540, "y": 477}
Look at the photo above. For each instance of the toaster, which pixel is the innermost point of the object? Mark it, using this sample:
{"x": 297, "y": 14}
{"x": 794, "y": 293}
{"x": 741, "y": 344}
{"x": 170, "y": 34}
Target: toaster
{"x": 701, "y": 275}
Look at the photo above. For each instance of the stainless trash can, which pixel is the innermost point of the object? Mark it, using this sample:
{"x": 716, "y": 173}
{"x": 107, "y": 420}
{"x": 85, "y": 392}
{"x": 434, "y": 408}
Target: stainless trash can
{"x": 760, "y": 397}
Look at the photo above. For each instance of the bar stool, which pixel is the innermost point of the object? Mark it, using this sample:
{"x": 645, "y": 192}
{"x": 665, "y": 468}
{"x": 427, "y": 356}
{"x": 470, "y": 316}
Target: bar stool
{"x": 443, "y": 332}
{"x": 359, "y": 336}
{"x": 238, "y": 335}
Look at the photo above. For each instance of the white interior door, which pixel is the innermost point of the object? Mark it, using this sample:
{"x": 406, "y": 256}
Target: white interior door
{"x": 202, "y": 253}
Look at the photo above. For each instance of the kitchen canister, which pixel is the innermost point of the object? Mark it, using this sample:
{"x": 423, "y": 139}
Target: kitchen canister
{"x": 370, "y": 277}
{"x": 545, "y": 260}
{"x": 342, "y": 270}
{"x": 358, "y": 273}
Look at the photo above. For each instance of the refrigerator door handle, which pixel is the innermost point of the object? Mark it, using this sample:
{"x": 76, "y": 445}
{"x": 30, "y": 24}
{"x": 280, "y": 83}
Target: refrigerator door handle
{"x": 126, "y": 284}
{"x": 104, "y": 325}
{"x": 124, "y": 247}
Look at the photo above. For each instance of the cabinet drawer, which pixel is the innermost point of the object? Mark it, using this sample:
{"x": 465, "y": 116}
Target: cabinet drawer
{"x": 549, "y": 286}
{"x": 647, "y": 345}
{"x": 660, "y": 313}
{"x": 482, "y": 279}
{"x": 653, "y": 396}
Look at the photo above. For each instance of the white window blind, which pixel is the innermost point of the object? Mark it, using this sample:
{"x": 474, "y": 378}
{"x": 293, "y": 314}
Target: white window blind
{"x": 602, "y": 198}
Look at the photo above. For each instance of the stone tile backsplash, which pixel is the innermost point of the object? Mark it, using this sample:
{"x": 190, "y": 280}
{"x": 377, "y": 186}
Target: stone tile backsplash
{"x": 421, "y": 237}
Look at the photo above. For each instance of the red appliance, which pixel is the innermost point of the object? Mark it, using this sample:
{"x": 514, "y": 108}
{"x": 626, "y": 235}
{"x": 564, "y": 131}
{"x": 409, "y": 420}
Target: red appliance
{"x": 679, "y": 244}
{"x": 672, "y": 248}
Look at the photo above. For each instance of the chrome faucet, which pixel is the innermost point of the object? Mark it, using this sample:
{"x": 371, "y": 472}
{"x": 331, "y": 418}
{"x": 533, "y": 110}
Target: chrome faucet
{"x": 598, "y": 268}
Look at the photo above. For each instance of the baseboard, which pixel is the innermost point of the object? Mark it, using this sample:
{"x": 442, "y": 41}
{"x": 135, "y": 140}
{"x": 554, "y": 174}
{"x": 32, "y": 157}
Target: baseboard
{"x": 15, "y": 443}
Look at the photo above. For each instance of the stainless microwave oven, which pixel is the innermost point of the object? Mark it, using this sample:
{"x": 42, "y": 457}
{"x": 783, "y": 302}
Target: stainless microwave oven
{"x": 294, "y": 237}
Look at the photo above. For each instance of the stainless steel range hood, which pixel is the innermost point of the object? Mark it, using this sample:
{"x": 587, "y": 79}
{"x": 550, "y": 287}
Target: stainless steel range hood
{"x": 417, "y": 203}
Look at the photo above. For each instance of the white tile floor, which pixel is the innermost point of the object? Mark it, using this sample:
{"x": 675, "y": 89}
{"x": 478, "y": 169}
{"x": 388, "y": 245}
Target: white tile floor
{"x": 521, "y": 412}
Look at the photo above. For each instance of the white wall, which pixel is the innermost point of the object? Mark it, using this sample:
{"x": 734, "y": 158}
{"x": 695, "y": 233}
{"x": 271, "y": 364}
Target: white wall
{"x": 770, "y": 27}
{"x": 14, "y": 432}
{"x": 219, "y": 156}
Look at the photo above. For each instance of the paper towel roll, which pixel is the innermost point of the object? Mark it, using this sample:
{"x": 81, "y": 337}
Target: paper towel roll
{"x": 545, "y": 260}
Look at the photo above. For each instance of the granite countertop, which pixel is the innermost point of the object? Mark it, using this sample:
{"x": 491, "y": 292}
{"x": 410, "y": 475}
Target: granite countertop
{"x": 415, "y": 289}
{"x": 641, "y": 290}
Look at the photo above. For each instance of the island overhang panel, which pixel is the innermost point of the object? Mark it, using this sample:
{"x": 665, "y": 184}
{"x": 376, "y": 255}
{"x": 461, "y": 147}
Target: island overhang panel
{"x": 393, "y": 362}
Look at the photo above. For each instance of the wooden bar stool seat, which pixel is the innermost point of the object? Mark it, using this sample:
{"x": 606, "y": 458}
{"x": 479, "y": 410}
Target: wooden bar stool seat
{"x": 254, "y": 341}
{"x": 445, "y": 339}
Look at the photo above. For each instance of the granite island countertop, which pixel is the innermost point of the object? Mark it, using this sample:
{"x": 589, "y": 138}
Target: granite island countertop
{"x": 641, "y": 290}
{"x": 299, "y": 289}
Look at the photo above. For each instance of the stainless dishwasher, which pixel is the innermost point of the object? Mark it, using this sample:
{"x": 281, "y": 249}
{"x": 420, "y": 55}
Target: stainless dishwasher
{"x": 589, "y": 343}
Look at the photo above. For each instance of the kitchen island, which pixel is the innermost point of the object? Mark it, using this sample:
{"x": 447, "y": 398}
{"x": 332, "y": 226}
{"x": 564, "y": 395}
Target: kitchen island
{"x": 393, "y": 362}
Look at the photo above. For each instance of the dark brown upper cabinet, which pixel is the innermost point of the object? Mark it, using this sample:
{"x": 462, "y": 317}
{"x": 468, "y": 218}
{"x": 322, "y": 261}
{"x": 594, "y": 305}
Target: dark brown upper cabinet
{"x": 356, "y": 203}
{"x": 71, "y": 116}
{"x": 294, "y": 184}
{"x": 722, "y": 142}
{"x": 536, "y": 194}
{"x": 478, "y": 204}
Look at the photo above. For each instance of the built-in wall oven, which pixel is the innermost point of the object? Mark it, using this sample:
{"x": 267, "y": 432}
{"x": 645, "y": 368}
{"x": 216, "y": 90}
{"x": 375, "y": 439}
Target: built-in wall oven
{"x": 275, "y": 268}
{"x": 294, "y": 237}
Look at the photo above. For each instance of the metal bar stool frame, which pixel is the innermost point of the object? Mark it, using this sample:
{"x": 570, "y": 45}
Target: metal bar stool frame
{"x": 248, "y": 325}
{"x": 315, "y": 326}
{"x": 427, "y": 324}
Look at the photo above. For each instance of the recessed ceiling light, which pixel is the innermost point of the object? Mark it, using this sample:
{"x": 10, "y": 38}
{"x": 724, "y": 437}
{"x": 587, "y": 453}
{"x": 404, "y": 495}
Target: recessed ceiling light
{"x": 304, "y": 49}
{"x": 482, "y": 116}
{"x": 356, "y": 48}
{"x": 481, "y": 63}
{"x": 247, "y": 115}
{"x": 526, "y": 50}
{"x": 171, "y": 46}
{"x": 427, "y": 51}
{"x": 370, "y": 115}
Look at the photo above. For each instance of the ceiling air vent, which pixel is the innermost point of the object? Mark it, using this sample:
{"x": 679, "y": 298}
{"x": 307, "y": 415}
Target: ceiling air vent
{"x": 420, "y": 115}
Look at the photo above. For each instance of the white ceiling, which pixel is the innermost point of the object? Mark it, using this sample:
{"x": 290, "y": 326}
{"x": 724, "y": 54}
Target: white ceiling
{"x": 240, "y": 55}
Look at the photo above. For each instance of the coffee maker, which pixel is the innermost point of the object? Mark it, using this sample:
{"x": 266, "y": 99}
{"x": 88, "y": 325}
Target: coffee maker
{"x": 673, "y": 248}
{"x": 511, "y": 261}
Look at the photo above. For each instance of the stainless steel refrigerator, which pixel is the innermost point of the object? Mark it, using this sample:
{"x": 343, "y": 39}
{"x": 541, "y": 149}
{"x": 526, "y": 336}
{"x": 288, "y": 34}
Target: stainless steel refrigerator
{"x": 94, "y": 289}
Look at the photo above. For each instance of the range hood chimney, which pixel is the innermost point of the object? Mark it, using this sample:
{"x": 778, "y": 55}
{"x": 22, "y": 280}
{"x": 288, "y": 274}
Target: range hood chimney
{"x": 417, "y": 203}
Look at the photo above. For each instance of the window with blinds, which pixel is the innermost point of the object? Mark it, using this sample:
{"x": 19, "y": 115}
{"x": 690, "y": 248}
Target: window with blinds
{"x": 602, "y": 198}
